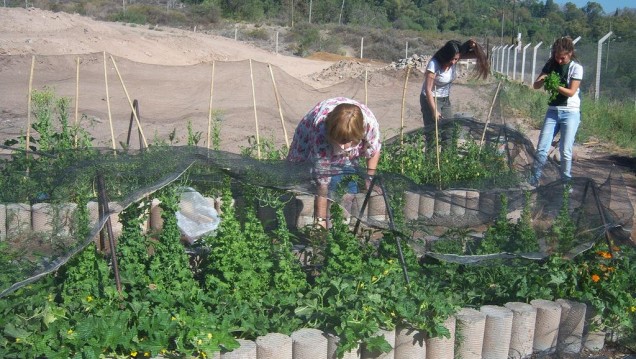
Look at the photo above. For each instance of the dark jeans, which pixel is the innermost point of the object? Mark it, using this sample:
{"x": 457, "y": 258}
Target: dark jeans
{"x": 444, "y": 108}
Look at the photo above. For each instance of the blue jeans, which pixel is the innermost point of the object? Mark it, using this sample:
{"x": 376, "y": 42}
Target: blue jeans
{"x": 352, "y": 186}
{"x": 568, "y": 123}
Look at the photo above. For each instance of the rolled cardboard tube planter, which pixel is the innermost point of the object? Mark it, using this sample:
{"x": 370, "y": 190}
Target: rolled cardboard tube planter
{"x": 470, "y": 328}
{"x": 309, "y": 344}
{"x": 409, "y": 343}
{"x": 546, "y": 329}
{"x": 411, "y": 205}
{"x": 441, "y": 347}
{"x": 570, "y": 340}
{"x": 426, "y": 206}
{"x": 522, "y": 335}
{"x": 389, "y": 336}
{"x": 497, "y": 332}
{"x": 274, "y": 346}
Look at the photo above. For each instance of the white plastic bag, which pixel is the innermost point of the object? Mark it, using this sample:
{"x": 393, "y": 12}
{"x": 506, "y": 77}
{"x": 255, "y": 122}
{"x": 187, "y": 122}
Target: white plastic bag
{"x": 196, "y": 216}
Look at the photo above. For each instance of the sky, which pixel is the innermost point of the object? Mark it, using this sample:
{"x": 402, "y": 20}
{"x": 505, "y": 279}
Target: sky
{"x": 609, "y": 6}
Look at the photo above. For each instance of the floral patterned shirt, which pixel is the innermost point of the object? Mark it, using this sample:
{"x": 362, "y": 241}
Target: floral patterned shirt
{"x": 310, "y": 140}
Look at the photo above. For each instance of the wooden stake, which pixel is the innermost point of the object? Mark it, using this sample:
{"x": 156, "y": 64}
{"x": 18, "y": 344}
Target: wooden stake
{"x": 439, "y": 170}
{"x": 28, "y": 129}
{"x": 280, "y": 110}
{"x": 130, "y": 103}
{"x": 76, "y": 98}
{"x": 481, "y": 143}
{"x": 366, "y": 91}
{"x": 406, "y": 81}
{"x": 210, "y": 107}
{"x": 110, "y": 117}
{"x": 258, "y": 141}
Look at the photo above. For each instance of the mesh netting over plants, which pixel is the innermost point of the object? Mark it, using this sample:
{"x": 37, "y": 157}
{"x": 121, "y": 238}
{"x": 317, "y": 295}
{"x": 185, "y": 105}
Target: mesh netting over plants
{"x": 442, "y": 213}
{"x": 457, "y": 196}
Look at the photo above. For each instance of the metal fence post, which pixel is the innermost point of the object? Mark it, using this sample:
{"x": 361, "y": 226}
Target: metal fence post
{"x": 514, "y": 63}
{"x": 534, "y": 60}
{"x": 599, "y": 52}
{"x": 508, "y": 59}
{"x": 503, "y": 58}
{"x": 523, "y": 62}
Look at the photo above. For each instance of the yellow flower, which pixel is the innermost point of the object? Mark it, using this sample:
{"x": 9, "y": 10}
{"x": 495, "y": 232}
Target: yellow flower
{"x": 595, "y": 278}
{"x": 133, "y": 354}
{"x": 173, "y": 318}
{"x": 163, "y": 351}
{"x": 209, "y": 335}
{"x": 374, "y": 279}
{"x": 69, "y": 332}
{"x": 50, "y": 297}
{"x": 146, "y": 354}
{"x": 386, "y": 271}
{"x": 199, "y": 342}
{"x": 89, "y": 299}
{"x": 17, "y": 340}
{"x": 633, "y": 308}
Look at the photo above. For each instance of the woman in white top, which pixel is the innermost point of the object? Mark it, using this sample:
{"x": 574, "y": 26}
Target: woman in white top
{"x": 441, "y": 72}
{"x": 564, "y": 112}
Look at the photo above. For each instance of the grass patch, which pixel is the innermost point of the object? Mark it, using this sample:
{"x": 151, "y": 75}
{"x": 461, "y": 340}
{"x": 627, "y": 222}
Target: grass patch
{"x": 609, "y": 121}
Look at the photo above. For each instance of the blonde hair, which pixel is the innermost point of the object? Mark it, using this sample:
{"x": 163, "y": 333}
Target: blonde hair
{"x": 345, "y": 123}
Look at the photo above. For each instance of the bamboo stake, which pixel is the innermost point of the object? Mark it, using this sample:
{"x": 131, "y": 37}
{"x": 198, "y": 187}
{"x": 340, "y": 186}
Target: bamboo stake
{"x": 481, "y": 143}
{"x": 280, "y": 110}
{"x": 28, "y": 130}
{"x": 110, "y": 117}
{"x": 76, "y": 98}
{"x": 258, "y": 141}
{"x": 439, "y": 170}
{"x": 366, "y": 91}
{"x": 210, "y": 107}
{"x": 130, "y": 103}
{"x": 406, "y": 81}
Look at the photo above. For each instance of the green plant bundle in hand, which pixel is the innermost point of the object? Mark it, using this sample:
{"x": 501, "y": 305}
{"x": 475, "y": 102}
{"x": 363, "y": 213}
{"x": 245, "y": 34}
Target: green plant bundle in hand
{"x": 551, "y": 84}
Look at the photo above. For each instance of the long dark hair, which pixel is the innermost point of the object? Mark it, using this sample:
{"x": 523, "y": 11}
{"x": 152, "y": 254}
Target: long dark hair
{"x": 453, "y": 47}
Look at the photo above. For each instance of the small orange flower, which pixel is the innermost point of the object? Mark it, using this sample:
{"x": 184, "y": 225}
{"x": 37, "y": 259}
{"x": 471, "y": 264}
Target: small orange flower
{"x": 604, "y": 254}
{"x": 595, "y": 278}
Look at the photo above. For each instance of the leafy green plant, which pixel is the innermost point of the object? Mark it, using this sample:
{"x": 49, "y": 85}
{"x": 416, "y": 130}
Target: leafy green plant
{"x": 193, "y": 136}
{"x": 551, "y": 84}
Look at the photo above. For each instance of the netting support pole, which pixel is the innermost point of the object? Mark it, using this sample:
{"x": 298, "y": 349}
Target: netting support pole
{"x": 377, "y": 180}
{"x": 133, "y": 115}
{"x": 483, "y": 135}
{"x": 605, "y": 229}
{"x": 104, "y": 210}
